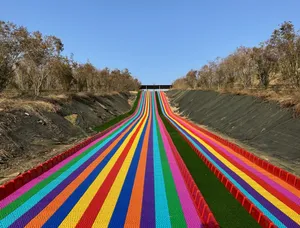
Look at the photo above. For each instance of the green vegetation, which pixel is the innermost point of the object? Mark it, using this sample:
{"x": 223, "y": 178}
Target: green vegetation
{"x": 226, "y": 209}
{"x": 120, "y": 117}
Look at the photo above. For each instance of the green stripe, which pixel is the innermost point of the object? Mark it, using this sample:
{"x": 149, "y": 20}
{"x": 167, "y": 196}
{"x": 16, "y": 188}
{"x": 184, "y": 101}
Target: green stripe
{"x": 174, "y": 205}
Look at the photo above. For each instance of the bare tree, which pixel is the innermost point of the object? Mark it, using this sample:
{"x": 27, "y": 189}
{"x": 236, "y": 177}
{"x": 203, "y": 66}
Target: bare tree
{"x": 266, "y": 62}
{"x": 61, "y": 69}
{"x": 286, "y": 41}
{"x": 191, "y": 79}
{"x": 39, "y": 53}
{"x": 11, "y": 41}
{"x": 205, "y": 76}
{"x": 228, "y": 66}
{"x": 245, "y": 66}
{"x": 180, "y": 83}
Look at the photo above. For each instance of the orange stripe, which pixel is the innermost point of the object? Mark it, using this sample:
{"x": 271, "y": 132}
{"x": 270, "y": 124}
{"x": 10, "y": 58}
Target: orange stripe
{"x": 48, "y": 211}
{"x": 135, "y": 206}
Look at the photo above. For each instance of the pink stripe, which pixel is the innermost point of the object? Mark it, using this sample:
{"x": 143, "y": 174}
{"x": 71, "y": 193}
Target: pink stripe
{"x": 191, "y": 216}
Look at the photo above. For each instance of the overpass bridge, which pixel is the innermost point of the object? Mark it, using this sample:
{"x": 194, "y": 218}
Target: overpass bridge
{"x": 155, "y": 87}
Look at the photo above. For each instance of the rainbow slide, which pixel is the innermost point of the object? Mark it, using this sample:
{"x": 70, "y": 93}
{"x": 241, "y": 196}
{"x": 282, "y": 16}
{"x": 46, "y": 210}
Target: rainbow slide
{"x": 263, "y": 194}
{"x": 129, "y": 177}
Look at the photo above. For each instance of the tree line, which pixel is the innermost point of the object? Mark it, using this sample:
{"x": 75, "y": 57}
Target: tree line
{"x": 274, "y": 62}
{"x": 33, "y": 62}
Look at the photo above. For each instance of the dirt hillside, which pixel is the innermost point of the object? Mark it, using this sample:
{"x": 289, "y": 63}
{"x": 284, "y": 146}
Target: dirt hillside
{"x": 33, "y": 130}
{"x": 267, "y": 129}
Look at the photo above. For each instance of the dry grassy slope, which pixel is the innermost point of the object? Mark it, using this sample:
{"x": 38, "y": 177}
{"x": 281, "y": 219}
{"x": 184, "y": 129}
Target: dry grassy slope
{"x": 33, "y": 130}
{"x": 269, "y": 130}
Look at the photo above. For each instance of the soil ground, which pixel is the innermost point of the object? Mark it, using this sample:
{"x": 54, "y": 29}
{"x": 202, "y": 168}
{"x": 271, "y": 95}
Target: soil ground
{"x": 33, "y": 130}
{"x": 262, "y": 127}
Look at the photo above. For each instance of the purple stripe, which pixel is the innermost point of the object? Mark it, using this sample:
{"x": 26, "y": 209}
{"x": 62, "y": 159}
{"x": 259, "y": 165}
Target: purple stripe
{"x": 269, "y": 206}
{"x": 148, "y": 207}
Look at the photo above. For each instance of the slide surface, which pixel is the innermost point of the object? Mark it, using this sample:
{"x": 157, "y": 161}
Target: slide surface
{"x": 275, "y": 198}
{"x": 127, "y": 178}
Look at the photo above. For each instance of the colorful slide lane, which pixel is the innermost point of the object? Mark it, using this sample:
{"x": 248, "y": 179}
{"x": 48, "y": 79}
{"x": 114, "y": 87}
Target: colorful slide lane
{"x": 275, "y": 198}
{"x": 129, "y": 177}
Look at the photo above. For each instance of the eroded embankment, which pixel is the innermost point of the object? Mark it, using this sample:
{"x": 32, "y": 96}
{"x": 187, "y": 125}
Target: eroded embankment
{"x": 33, "y": 130}
{"x": 269, "y": 130}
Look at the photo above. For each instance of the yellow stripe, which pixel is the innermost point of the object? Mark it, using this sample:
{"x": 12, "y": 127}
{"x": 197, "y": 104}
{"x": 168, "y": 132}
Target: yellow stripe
{"x": 75, "y": 214}
{"x": 280, "y": 205}
{"x": 109, "y": 204}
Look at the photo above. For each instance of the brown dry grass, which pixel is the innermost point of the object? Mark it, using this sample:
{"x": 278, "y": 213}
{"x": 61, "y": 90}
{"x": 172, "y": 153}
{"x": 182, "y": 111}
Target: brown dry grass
{"x": 297, "y": 110}
{"x": 58, "y": 96}
{"x": 286, "y": 98}
{"x": 10, "y": 100}
{"x": 7, "y": 104}
{"x": 72, "y": 118}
